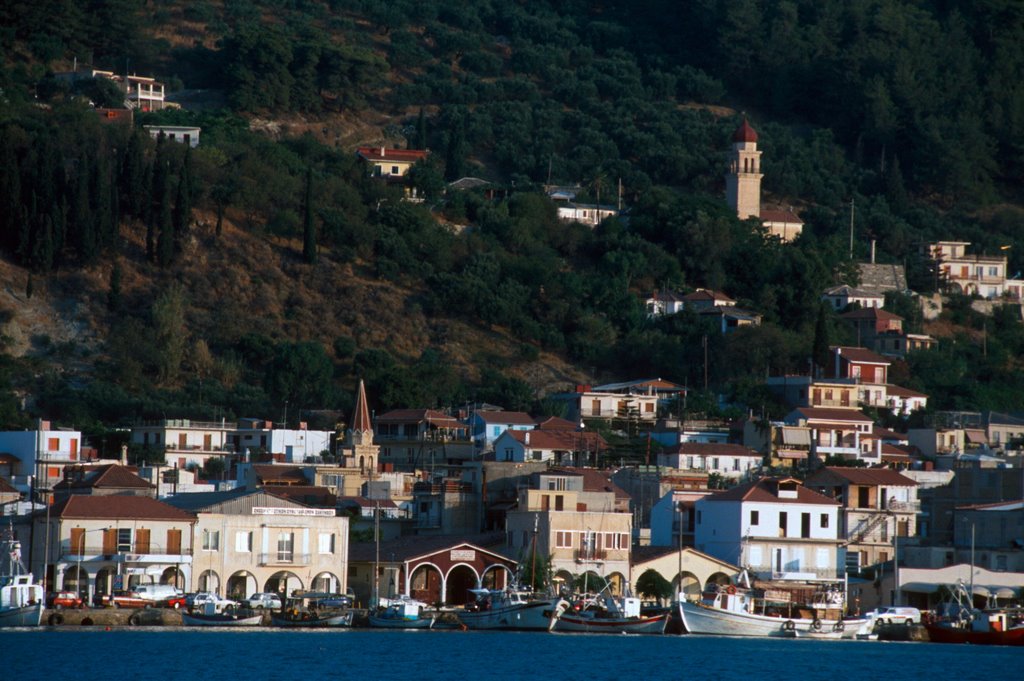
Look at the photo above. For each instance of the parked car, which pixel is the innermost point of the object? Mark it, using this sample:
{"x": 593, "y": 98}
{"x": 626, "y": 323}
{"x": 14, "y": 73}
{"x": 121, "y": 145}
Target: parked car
{"x": 270, "y": 601}
{"x": 158, "y": 592}
{"x": 127, "y": 599}
{"x": 335, "y": 601}
{"x": 203, "y": 599}
{"x": 64, "y": 599}
{"x": 897, "y": 615}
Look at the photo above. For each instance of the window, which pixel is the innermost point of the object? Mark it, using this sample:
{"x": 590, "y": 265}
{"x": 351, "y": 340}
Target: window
{"x": 823, "y": 561}
{"x": 394, "y": 170}
{"x": 508, "y": 454}
{"x": 559, "y": 503}
{"x": 211, "y": 540}
{"x": 124, "y": 540}
{"x": 326, "y": 543}
{"x": 824, "y": 520}
{"x": 563, "y": 540}
{"x": 755, "y": 517}
{"x": 623, "y": 541}
{"x": 285, "y": 546}
{"x": 783, "y": 522}
{"x": 243, "y": 542}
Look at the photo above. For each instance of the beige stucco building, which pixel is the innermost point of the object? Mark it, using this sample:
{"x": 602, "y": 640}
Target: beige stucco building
{"x": 248, "y": 541}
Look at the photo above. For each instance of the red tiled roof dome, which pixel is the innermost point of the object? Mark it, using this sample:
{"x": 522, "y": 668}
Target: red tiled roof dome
{"x": 744, "y": 133}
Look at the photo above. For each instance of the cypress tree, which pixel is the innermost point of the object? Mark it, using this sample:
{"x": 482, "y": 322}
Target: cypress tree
{"x": 10, "y": 192}
{"x": 308, "y": 228}
{"x": 820, "y": 348}
{"x": 114, "y": 294}
{"x": 421, "y": 130}
{"x": 183, "y": 203}
{"x": 165, "y": 224}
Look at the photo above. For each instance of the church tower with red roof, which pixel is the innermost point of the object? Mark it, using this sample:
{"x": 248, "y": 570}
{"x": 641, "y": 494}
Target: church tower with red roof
{"x": 743, "y": 182}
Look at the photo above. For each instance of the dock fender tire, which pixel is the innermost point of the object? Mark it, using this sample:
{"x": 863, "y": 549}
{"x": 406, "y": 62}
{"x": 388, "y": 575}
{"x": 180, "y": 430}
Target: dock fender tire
{"x": 55, "y": 619}
{"x": 838, "y": 626}
{"x": 788, "y": 625}
{"x": 134, "y": 620}
{"x": 816, "y": 625}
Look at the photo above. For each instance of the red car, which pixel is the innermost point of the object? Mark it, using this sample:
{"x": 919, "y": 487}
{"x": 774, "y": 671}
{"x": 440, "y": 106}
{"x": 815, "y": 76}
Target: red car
{"x": 64, "y": 599}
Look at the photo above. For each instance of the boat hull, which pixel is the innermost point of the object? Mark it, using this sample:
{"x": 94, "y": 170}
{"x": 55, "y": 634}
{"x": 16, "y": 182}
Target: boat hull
{"x": 653, "y": 624}
{"x": 702, "y": 619}
{"x": 193, "y": 620}
{"x": 339, "y": 620}
{"x": 24, "y": 616}
{"x": 539, "y": 615}
{"x": 401, "y": 623}
{"x": 938, "y": 633}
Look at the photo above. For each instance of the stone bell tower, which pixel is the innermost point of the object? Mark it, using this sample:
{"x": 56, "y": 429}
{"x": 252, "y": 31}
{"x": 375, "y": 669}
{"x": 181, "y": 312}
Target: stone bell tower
{"x": 743, "y": 182}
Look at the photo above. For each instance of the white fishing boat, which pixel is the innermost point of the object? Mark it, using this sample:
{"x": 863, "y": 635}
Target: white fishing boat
{"x": 512, "y": 609}
{"x": 21, "y": 600}
{"x": 731, "y": 611}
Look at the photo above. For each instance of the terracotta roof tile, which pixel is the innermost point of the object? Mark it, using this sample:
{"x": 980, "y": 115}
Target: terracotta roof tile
{"x": 517, "y": 418}
{"x": 863, "y": 476}
{"x": 711, "y": 449}
{"x": 767, "y": 490}
{"x": 117, "y": 507}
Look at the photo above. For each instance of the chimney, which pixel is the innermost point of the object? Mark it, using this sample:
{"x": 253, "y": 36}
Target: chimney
{"x": 382, "y": 150}
{"x": 526, "y": 438}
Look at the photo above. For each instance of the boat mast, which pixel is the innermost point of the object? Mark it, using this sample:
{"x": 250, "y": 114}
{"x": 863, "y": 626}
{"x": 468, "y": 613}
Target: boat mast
{"x": 376, "y": 558}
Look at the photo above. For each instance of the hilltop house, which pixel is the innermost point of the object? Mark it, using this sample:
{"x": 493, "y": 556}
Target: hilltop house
{"x": 486, "y": 426}
{"x": 980, "y": 275}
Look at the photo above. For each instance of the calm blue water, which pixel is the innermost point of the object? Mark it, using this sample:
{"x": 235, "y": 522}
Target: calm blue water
{"x": 196, "y": 655}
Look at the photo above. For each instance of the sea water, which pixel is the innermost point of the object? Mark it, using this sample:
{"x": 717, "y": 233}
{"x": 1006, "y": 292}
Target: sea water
{"x": 96, "y": 654}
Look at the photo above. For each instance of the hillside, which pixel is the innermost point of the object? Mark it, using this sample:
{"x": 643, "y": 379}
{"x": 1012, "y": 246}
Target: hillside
{"x": 265, "y": 269}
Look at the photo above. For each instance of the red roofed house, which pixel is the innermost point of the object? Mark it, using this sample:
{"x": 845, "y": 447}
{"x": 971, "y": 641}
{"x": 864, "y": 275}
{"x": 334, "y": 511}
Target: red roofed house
{"x": 386, "y": 162}
{"x": 743, "y": 187}
{"x": 411, "y": 438}
{"x": 486, "y": 425}
{"x": 580, "y": 519}
{"x": 838, "y": 432}
{"x": 102, "y": 480}
{"x": 879, "y": 504}
{"x": 102, "y": 543}
{"x": 561, "y": 447}
{"x": 775, "y": 527}
{"x": 662, "y": 303}
{"x": 728, "y": 460}
{"x": 705, "y": 299}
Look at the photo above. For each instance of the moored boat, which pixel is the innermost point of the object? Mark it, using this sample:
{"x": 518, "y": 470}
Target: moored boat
{"x": 734, "y": 612}
{"x": 611, "y": 616}
{"x": 402, "y": 614}
{"x": 21, "y": 600}
{"x": 221, "y": 619}
{"x": 308, "y": 619}
{"x": 512, "y": 609}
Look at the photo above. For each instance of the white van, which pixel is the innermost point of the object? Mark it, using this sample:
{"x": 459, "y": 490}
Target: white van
{"x": 157, "y": 592}
{"x": 897, "y": 615}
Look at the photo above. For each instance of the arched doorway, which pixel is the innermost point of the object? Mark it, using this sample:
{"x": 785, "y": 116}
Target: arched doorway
{"x": 174, "y": 577}
{"x": 284, "y": 583}
{"x": 325, "y": 582}
{"x": 688, "y": 585}
{"x": 76, "y": 578}
{"x": 461, "y": 578}
{"x": 590, "y": 582}
{"x": 718, "y": 579}
{"x": 209, "y": 581}
{"x": 104, "y": 582}
{"x": 616, "y": 583}
{"x": 563, "y": 581}
{"x": 241, "y": 585}
{"x": 425, "y": 584}
{"x": 495, "y": 576}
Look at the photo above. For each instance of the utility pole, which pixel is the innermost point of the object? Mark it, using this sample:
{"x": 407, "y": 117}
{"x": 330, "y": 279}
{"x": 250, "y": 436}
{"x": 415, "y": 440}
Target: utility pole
{"x": 851, "y": 229}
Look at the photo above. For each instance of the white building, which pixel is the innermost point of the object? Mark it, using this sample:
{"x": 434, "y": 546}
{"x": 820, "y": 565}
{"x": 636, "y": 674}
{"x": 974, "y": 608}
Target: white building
{"x": 728, "y": 460}
{"x": 775, "y": 527}
{"x": 40, "y": 454}
{"x": 284, "y": 445}
{"x": 183, "y": 134}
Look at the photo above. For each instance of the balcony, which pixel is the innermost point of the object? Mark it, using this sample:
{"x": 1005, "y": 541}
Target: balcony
{"x": 283, "y": 558}
{"x": 590, "y": 555}
{"x": 139, "y": 554}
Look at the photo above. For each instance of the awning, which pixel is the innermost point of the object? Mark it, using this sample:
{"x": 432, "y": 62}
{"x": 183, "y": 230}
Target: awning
{"x": 1005, "y": 592}
{"x": 920, "y": 587}
{"x": 979, "y": 590}
{"x": 796, "y": 436}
